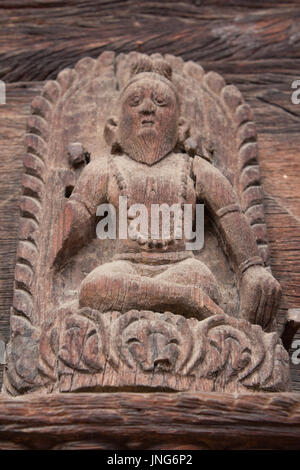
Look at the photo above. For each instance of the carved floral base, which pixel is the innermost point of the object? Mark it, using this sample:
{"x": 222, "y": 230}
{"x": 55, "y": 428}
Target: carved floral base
{"x": 85, "y": 350}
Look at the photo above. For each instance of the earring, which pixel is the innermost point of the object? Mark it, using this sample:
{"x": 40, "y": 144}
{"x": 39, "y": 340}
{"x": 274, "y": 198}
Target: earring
{"x": 110, "y": 132}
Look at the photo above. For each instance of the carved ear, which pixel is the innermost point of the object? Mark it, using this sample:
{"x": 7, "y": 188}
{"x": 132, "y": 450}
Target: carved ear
{"x": 183, "y": 129}
{"x": 110, "y": 133}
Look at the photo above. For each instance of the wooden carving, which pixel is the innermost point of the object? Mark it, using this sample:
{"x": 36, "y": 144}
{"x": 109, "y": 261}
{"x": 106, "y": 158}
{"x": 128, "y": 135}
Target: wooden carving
{"x": 142, "y": 312}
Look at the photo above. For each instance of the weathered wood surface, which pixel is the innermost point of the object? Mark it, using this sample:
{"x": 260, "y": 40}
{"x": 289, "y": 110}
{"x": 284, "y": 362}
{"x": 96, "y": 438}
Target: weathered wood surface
{"x": 42, "y": 37}
{"x": 253, "y": 44}
{"x": 133, "y": 421}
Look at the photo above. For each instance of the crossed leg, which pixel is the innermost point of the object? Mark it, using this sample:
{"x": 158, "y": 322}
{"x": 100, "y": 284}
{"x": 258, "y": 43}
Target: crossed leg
{"x": 118, "y": 286}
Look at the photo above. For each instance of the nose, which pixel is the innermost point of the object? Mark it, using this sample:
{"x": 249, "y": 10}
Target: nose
{"x": 147, "y": 107}
{"x": 162, "y": 363}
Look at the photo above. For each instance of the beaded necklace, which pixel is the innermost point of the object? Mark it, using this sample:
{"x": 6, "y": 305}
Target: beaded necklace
{"x": 184, "y": 174}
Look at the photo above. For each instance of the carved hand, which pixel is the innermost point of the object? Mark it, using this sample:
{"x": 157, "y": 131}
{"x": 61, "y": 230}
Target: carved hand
{"x": 259, "y": 296}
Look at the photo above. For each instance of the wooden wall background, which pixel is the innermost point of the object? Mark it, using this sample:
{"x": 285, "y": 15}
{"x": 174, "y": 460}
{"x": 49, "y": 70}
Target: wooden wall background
{"x": 253, "y": 44}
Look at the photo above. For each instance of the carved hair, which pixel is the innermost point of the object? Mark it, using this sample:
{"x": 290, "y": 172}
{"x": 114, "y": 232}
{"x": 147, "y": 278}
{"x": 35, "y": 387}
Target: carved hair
{"x": 157, "y": 69}
{"x": 147, "y": 64}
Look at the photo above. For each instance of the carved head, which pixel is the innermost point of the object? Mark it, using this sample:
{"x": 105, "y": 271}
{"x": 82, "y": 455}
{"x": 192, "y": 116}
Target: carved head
{"x": 148, "y": 124}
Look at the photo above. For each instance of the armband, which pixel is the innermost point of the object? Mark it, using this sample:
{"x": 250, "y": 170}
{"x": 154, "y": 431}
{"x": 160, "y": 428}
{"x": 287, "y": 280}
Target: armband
{"x": 226, "y": 210}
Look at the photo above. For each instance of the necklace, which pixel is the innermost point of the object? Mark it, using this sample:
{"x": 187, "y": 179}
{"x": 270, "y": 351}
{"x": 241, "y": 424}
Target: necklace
{"x": 183, "y": 174}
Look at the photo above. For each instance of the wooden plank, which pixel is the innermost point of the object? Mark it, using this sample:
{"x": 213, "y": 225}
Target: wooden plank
{"x": 38, "y": 41}
{"x": 115, "y": 421}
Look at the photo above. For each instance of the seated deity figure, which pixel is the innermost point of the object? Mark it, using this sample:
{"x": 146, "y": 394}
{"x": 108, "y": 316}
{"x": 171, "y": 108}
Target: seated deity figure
{"x": 148, "y": 165}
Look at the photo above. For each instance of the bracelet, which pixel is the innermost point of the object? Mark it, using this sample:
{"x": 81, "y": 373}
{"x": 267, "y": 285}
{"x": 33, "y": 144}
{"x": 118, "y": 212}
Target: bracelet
{"x": 255, "y": 261}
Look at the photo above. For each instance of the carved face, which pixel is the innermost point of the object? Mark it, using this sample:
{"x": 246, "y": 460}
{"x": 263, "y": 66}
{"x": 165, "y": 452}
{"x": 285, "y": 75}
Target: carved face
{"x": 152, "y": 347}
{"x": 148, "y": 120}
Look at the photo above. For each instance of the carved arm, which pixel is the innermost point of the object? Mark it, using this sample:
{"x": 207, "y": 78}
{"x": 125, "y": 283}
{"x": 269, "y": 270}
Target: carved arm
{"x": 76, "y": 226}
{"x": 259, "y": 291}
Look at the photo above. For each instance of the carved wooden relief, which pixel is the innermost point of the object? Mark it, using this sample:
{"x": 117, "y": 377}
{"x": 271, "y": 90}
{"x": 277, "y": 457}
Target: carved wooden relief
{"x": 142, "y": 313}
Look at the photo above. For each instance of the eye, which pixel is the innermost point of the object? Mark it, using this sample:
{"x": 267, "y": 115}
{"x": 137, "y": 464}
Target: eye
{"x": 134, "y": 100}
{"x": 160, "y": 100}
{"x": 133, "y": 341}
{"x": 173, "y": 341}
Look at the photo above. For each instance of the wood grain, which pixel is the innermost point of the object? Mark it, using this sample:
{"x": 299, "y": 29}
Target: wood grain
{"x": 252, "y": 44}
{"x": 39, "y": 40}
{"x": 151, "y": 421}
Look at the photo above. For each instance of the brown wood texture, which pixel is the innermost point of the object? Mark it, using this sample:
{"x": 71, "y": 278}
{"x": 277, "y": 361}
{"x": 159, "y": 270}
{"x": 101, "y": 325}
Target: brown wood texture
{"x": 133, "y": 421}
{"x": 253, "y": 47}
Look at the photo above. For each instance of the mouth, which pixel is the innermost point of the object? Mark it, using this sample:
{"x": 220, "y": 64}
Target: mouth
{"x": 148, "y": 122}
